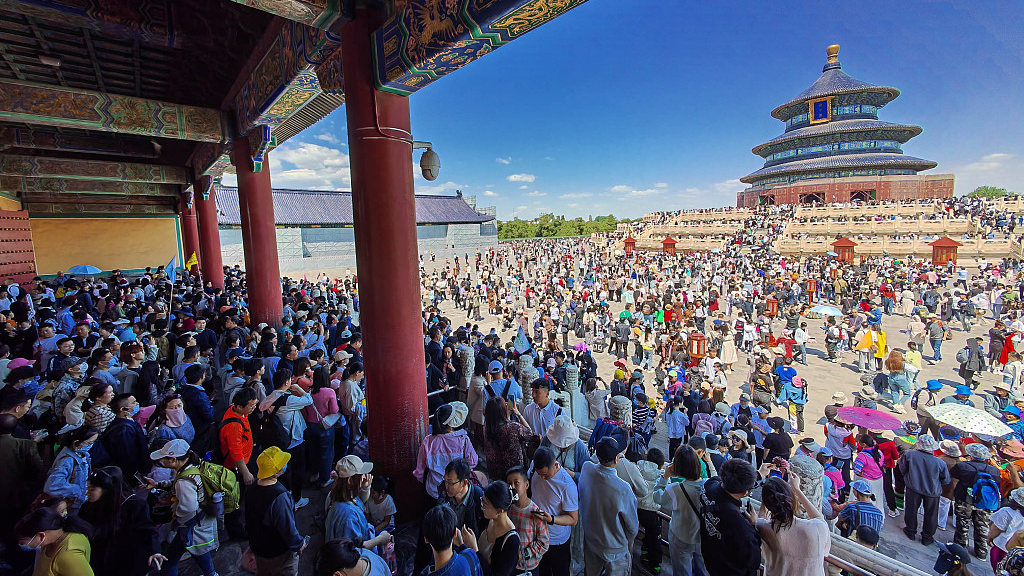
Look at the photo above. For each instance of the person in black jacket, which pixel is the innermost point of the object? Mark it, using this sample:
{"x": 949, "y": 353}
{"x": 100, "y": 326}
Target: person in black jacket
{"x": 270, "y": 517}
{"x": 124, "y": 443}
{"x": 125, "y": 541}
{"x": 729, "y": 542}
{"x": 964, "y": 508}
{"x": 463, "y": 495}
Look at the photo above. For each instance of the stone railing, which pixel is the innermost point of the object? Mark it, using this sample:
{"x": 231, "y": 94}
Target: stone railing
{"x": 1013, "y": 204}
{"x": 917, "y": 247}
{"x": 691, "y": 229}
{"x": 954, "y": 227}
{"x": 714, "y": 216}
{"x": 682, "y": 245}
{"x": 897, "y": 209}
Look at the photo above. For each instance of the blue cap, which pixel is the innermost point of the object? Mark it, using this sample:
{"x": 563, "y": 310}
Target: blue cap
{"x": 1011, "y": 409}
{"x": 237, "y": 352}
{"x": 346, "y": 333}
{"x": 862, "y": 487}
{"x": 934, "y": 385}
{"x": 826, "y": 452}
{"x": 963, "y": 390}
{"x": 495, "y": 366}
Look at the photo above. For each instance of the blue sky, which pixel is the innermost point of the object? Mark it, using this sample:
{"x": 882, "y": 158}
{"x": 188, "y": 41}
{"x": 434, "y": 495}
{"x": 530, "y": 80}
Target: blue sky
{"x": 630, "y": 106}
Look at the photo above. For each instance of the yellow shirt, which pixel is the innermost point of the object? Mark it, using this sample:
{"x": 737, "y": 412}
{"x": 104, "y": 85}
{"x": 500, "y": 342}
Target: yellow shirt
{"x": 70, "y": 558}
{"x": 914, "y": 357}
{"x": 880, "y": 353}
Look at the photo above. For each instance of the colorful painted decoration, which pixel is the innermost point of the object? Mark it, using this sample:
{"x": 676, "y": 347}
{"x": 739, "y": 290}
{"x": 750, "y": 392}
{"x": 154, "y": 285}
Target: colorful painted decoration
{"x": 41, "y": 167}
{"x": 427, "y": 39}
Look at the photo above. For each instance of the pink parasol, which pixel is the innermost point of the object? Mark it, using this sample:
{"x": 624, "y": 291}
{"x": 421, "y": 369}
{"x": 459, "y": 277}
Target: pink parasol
{"x": 869, "y": 418}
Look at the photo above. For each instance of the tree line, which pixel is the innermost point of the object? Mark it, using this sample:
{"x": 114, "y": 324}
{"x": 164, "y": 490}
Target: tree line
{"x": 549, "y": 225}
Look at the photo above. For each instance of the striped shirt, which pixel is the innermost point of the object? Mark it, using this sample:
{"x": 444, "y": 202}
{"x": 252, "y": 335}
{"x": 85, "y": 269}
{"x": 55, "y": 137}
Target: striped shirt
{"x": 862, "y": 514}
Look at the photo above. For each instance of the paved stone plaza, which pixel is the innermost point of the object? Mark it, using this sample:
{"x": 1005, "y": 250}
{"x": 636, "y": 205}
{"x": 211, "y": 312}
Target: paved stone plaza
{"x": 824, "y": 379}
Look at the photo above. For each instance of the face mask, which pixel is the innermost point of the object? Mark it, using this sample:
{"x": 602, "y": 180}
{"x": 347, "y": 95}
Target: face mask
{"x": 283, "y": 469}
{"x": 28, "y": 548}
{"x": 135, "y": 410}
{"x": 175, "y": 417}
{"x": 85, "y": 448}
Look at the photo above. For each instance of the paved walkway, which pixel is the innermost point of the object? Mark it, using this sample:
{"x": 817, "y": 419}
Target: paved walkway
{"x": 823, "y": 377}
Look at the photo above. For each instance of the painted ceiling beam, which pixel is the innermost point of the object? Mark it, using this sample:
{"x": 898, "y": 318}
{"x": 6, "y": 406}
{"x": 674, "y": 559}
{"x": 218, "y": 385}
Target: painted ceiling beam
{"x": 41, "y": 167}
{"x": 35, "y": 186}
{"x": 95, "y": 208}
{"x": 282, "y": 79}
{"x": 427, "y": 39}
{"x": 87, "y": 110}
{"x": 148, "y": 21}
{"x": 322, "y": 14}
{"x": 50, "y": 139}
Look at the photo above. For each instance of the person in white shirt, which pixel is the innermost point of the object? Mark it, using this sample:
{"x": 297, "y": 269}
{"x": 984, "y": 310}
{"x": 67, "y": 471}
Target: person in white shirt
{"x": 555, "y": 493}
{"x": 542, "y": 412}
{"x": 801, "y": 336}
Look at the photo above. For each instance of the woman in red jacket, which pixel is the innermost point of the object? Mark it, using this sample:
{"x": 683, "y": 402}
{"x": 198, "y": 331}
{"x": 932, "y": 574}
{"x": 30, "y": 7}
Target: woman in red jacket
{"x": 888, "y": 448}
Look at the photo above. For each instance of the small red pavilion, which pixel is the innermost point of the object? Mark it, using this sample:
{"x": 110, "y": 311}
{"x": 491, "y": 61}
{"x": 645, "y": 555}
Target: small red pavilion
{"x": 844, "y": 248}
{"x": 668, "y": 246}
{"x": 629, "y": 245}
{"x": 944, "y": 250}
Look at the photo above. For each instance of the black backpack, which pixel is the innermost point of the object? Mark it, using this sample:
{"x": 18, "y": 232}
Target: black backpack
{"x": 271, "y": 429}
{"x": 619, "y": 388}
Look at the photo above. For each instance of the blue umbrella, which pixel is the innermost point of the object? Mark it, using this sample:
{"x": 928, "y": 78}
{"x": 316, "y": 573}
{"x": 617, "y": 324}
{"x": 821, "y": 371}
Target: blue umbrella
{"x": 826, "y": 311}
{"x": 84, "y": 269}
{"x": 831, "y": 253}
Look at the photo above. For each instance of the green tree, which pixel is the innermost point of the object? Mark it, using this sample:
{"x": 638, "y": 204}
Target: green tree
{"x": 989, "y": 192}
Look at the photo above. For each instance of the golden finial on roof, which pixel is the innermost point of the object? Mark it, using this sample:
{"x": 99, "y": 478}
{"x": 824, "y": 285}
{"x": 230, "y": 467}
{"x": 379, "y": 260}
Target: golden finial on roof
{"x": 833, "y": 53}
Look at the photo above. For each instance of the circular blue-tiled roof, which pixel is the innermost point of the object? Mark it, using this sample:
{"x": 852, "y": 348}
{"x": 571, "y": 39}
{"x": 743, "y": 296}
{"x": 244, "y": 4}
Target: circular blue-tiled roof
{"x": 833, "y": 81}
{"x": 850, "y": 161}
{"x": 836, "y": 126}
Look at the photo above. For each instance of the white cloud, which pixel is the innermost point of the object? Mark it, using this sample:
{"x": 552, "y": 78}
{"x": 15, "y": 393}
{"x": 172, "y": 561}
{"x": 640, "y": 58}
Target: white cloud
{"x": 523, "y": 187}
{"x": 229, "y": 180}
{"x": 642, "y": 193}
{"x": 328, "y": 138}
{"x": 505, "y": 161}
{"x": 573, "y": 205}
{"x": 536, "y": 194}
{"x": 729, "y": 186}
{"x": 661, "y": 185}
{"x": 439, "y": 188}
{"x": 305, "y": 165}
{"x": 521, "y": 208}
{"x": 548, "y": 158}
{"x": 521, "y": 178}
{"x": 620, "y": 189}
{"x": 999, "y": 169}
{"x": 490, "y": 193}
{"x": 576, "y": 195}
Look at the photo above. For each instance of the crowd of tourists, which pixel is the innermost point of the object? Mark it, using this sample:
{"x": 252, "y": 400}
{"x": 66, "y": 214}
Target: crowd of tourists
{"x": 145, "y": 421}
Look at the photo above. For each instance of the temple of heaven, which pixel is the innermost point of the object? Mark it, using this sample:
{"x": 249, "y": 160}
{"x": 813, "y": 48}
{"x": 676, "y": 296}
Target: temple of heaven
{"x": 835, "y": 149}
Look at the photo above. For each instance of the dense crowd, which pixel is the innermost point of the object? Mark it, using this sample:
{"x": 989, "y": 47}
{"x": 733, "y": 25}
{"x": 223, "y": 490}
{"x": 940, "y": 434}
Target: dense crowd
{"x": 145, "y": 420}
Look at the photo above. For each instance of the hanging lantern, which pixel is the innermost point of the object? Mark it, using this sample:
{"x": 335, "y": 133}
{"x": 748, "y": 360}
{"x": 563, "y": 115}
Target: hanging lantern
{"x": 812, "y": 285}
{"x": 771, "y": 307}
{"x": 833, "y": 273}
{"x": 698, "y": 346}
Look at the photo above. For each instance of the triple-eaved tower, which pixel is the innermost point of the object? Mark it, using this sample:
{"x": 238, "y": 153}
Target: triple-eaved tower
{"x": 835, "y": 149}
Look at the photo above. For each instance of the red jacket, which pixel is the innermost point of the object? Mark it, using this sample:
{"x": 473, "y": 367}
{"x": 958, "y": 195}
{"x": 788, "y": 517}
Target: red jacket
{"x": 888, "y": 449}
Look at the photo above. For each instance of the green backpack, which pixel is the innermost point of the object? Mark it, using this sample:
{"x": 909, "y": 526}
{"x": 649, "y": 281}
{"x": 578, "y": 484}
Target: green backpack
{"x": 216, "y": 478}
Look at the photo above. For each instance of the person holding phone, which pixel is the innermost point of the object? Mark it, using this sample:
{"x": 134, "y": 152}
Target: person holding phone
{"x": 124, "y": 540}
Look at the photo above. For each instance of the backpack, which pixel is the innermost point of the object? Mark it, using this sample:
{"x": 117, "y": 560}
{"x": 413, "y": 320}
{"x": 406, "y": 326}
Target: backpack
{"x": 223, "y": 423}
{"x": 504, "y": 393}
{"x": 636, "y": 450}
{"x": 618, "y": 388}
{"x": 601, "y": 429}
{"x": 271, "y": 430}
{"x": 915, "y": 399}
{"x": 963, "y": 355}
{"x": 216, "y": 478}
{"x": 985, "y": 492}
{"x": 798, "y": 382}
{"x": 702, "y": 426}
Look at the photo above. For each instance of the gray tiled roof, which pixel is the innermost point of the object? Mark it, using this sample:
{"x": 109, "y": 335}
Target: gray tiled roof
{"x": 313, "y": 207}
{"x": 841, "y": 126}
{"x": 849, "y": 161}
{"x": 831, "y": 82}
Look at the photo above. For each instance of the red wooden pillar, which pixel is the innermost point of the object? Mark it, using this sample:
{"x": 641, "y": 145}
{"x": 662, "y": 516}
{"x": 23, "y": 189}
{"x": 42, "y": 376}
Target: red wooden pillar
{"x": 259, "y": 237}
{"x": 384, "y": 213}
{"x": 210, "y": 260}
{"x": 189, "y": 231}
